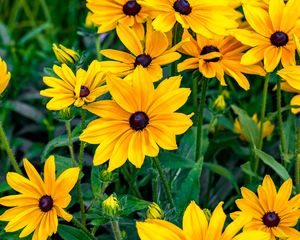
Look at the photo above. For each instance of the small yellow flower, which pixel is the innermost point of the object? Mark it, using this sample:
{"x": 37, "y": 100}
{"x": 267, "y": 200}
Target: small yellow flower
{"x": 65, "y": 55}
{"x": 151, "y": 55}
{"x": 154, "y": 211}
{"x": 217, "y": 57}
{"x": 197, "y": 227}
{"x": 111, "y": 206}
{"x": 219, "y": 104}
{"x": 88, "y": 22}
{"x": 268, "y": 127}
{"x": 40, "y": 203}
{"x": 4, "y": 76}
{"x": 273, "y": 212}
{"x": 79, "y": 89}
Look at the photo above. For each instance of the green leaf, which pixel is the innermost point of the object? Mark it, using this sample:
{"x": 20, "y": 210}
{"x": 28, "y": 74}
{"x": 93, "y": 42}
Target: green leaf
{"x": 68, "y": 232}
{"x": 246, "y": 168}
{"x": 34, "y": 33}
{"x": 60, "y": 141}
{"x": 272, "y": 163}
{"x": 62, "y": 163}
{"x": 248, "y": 126}
{"x": 95, "y": 180}
{"x": 174, "y": 161}
{"x": 223, "y": 172}
{"x": 190, "y": 188}
{"x": 4, "y": 187}
{"x": 131, "y": 204}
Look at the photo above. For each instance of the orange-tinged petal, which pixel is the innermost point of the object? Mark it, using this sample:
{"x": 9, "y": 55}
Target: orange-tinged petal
{"x": 253, "y": 55}
{"x": 163, "y": 136}
{"x": 272, "y": 56}
{"x": 63, "y": 214}
{"x": 190, "y": 63}
{"x": 129, "y": 39}
{"x": 118, "y": 55}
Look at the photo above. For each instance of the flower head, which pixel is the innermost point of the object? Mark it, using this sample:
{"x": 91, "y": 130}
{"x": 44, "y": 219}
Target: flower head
{"x": 268, "y": 127}
{"x": 4, "y": 76}
{"x": 40, "y": 202}
{"x": 196, "y": 226}
{"x": 137, "y": 120}
{"x": 271, "y": 37}
{"x": 217, "y": 57}
{"x": 65, "y": 55}
{"x": 111, "y": 206}
{"x": 202, "y": 16}
{"x": 151, "y": 56}
{"x": 154, "y": 211}
{"x": 107, "y": 14}
{"x": 272, "y": 211}
{"x": 68, "y": 89}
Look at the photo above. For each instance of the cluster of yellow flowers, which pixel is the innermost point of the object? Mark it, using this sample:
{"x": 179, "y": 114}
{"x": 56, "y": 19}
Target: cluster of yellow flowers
{"x": 141, "y": 117}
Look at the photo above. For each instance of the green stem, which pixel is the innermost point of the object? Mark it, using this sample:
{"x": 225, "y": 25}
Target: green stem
{"x": 78, "y": 186}
{"x": 157, "y": 165}
{"x": 8, "y": 150}
{"x": 262, "y": 119}
{"x": 116, "y": 230}
{"x": 297, "y": 164}
{"x": 195, "y": 96}
{"x": 83, "y": 228}
{"x": 279, "y": 115}
{"x": 98, "y": 47}
{"x": 204, "y": 87}
{"x": 129, "y": 180}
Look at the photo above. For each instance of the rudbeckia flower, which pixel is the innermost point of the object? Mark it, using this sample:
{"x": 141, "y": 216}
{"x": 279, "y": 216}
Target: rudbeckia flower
{"x": 108, "y": 13}
{"x": 40, "y": 202}
{"x": 272, "y": 36}
{"x": 137, "y": 120}
{"x": 202, "y": 16}
{"x": 197, "y": 226}
{"x": 268, "y": 127}
{"x": 68, "y": 89}
{"x": 4, "y": 76}
{"x": 65, "y": 55}
{"x": 272, "y": 211}
{"x": 151, "y": 57}
{"x": 214, "y": 58}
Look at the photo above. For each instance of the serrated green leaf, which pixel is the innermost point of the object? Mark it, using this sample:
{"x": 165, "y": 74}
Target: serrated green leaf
{"x": 272, "y": 163}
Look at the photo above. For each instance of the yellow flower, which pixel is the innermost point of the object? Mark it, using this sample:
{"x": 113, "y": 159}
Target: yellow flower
{"x": 151, "y": 57}
{"x": 154, "y": 211}
{"x": 108, "y": 13}
{"x": 196, "y": 227}
{"x": 4, "y": 76}
{"x": 272, "y": 36}
{"x": 295, "y": 101}
{"x": 202, "y": 16}
{"x": 111, "y": 206}
{"x": 65, "y": 55}
{"x": 268, "y": 127}
{"x": 272, "y": 211}
{"x": 40, "y": 202}
{"x": 69, "y": 89}
{"x": 214, "y": 58}
{"x": 137, "y": 120}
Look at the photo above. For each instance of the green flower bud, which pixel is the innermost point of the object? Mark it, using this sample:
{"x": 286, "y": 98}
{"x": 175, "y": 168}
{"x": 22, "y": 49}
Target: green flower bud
{"x": 111, "y": 206}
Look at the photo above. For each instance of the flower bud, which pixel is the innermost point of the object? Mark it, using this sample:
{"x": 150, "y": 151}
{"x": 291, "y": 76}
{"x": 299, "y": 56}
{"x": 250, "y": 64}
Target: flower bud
{"x": 154, "y": 211}
{"x": 106, "y": 176}
{"x": 65, "y": 114}
{"x": 111, "y": 206}
{"x": 207, "y": 214}
{"x": 65, "y": 55}
{"x": 219, "y": 104}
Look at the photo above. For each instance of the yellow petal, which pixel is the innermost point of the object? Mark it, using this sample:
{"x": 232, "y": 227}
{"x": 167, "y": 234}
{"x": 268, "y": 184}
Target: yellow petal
{"x": 216, "y": 223}
{"x": 136, "y": 153}
{"x": 164, "y": 22}
{"x": 34, "y": 176}
{"x": 66, "y": 181}
{"x": 118, "y": 55}
{"x": 49, "y": 175}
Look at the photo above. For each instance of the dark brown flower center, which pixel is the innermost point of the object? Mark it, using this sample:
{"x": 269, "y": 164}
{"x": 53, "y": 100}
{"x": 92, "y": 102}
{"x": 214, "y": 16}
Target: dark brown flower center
{"x": 138, "y": 121}
{"x": 143, "y": 60}
{"x": 84, "y": 91}
{"x": 208, "y": 49}
{"x": 183, "y": 7}
{"x": 131, "y": 8}
{"x": 271, "y": 219}
{"x": 279, "y": 39}
{"x": 46, "y": 203}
